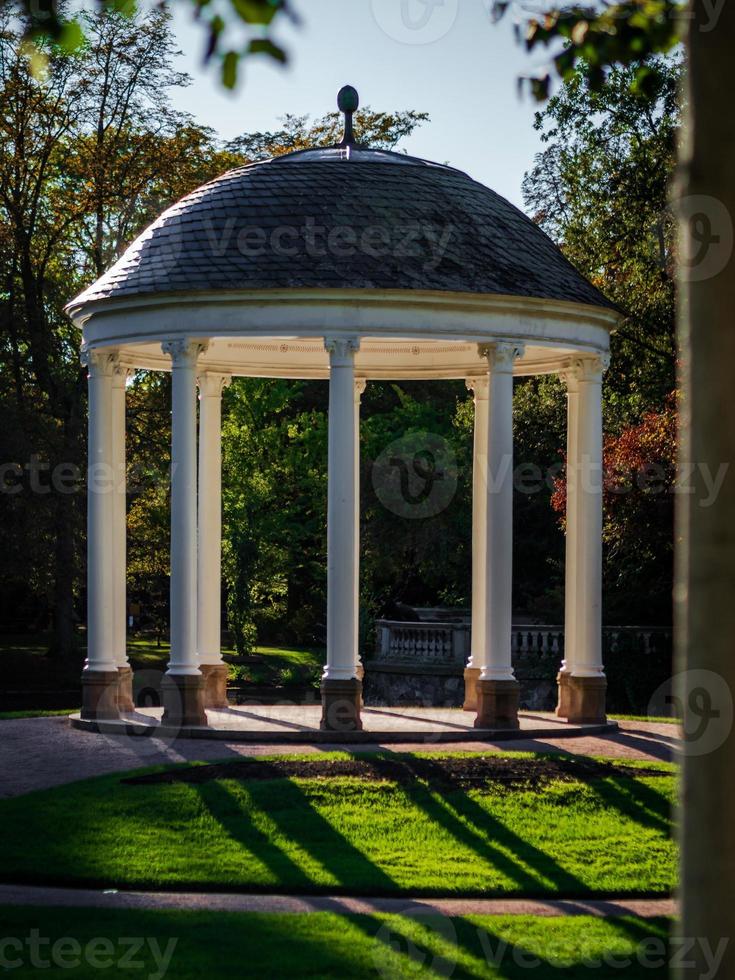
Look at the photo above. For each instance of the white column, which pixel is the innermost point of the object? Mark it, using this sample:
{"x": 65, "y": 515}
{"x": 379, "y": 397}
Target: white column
{"x": 480, "y": 388}
{"x": 341, "y": 512}
{"x": 119, "y": 504}
{"x": 209, "y": 589}
{"x": 360, "y": 385}
{"x": 100, "y": 556}
{"x": 498, "y": 472}
{"x": 586, "y": 513}
{"x": 184, "y": 355}
{"x": 570, "y": 562}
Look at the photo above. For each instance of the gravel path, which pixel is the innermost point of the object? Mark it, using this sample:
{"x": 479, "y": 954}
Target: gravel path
{"x": 222, "y": 902}
{"x": 36, "y": 753}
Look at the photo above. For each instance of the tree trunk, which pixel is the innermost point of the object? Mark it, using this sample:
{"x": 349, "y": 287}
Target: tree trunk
{"x": 705, "y": 578}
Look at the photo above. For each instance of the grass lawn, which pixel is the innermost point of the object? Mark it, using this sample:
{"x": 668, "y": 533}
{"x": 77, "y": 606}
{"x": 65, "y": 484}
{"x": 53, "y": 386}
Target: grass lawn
{"x": 39, "y": 713}
{"x": 550, "y": 836}
{"x": 27, "y": 668}
{"x": 268, "y": 666}
{"x": 190, "y": 945}
{"x": 654, "y": 719}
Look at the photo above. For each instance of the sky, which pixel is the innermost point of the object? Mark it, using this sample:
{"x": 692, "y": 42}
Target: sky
{"x": 444, "y": 57}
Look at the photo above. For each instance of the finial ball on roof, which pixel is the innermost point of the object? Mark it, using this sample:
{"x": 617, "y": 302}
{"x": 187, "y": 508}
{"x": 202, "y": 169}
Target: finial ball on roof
{"x": 347, "y": 99}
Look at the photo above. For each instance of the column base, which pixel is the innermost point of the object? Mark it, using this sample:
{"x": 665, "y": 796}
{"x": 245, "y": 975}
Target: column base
{"x": 586, "y": 700}
{"x": 562, "y": 704}
{"x": 471, "y": 677}
{"x": 100, "y": 695}
{"x": 125, "y": 689}
{"x": 497, "y": 704}
{"x": 183, "y": 700}
{"x": 215, "y": 685}
{"x": 341, "y": 701}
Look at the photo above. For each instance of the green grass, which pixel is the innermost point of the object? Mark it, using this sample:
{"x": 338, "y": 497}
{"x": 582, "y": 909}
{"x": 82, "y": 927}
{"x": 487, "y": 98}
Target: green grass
{"x": 655, "y": 719}
{"x": 268, "y": 666}
{"x": 271, "y": 666}
{"x": 349, "y": 835}
{"x": 9, "y": 715}
{"x": 325, "y": 945}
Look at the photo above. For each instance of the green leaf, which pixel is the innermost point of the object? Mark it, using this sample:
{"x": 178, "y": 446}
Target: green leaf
{"x": 229, "y": 69}
{"x": 71, "y": 36}
{"x": 257, "y": 11}
{"x": 265, "y": 46}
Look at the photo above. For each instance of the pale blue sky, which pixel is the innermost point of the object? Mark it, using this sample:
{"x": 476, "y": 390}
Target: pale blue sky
{"x": 466, "y": 79}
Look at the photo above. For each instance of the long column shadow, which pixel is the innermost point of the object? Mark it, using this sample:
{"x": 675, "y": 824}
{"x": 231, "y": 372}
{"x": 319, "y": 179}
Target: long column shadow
{"x": 449, "y": 811}
{"x": 310, "y": 831}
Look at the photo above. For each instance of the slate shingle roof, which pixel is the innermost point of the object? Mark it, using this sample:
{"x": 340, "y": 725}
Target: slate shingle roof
{"x": 318, "y": 219}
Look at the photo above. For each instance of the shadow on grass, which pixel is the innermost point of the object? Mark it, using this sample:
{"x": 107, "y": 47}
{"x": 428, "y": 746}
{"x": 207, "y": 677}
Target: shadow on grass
{"x": 492, "y": 840}
{"x": 421, "y": 942}
{"x": 533, "y": 871}
{"x": 311, "y": 832}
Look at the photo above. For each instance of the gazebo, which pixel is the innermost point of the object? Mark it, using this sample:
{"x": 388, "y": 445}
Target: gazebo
{"x": 349, "y": 264}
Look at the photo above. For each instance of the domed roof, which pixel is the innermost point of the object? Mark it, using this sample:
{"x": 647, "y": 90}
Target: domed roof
{"x": 344, "y": 217}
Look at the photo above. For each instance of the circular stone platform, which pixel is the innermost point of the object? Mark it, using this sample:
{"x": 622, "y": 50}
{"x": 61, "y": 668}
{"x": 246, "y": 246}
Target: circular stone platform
{"x": 288, "y": 723}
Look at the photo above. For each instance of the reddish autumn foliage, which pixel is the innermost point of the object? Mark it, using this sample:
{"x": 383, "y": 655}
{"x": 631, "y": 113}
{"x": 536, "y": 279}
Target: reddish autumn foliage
{"x": 639, "y": 474}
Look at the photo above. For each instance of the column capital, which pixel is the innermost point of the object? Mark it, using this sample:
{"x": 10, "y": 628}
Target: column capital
{"x": 479, "y": 385}
{"x": 360, "y": 386}
{"x": 212, "y": 384}
{"x": 184, "y": 351}
{"x": 501, "y": 354}
{"x": 587, "y": 367}
{"x": 120, "y": 373}
{"x": 101, "y": 362}
{"x": 341, "y": 350}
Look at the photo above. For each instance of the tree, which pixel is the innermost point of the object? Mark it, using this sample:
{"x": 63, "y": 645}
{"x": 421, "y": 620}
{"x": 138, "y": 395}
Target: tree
{"x": 379, "y": 130}
{"x": 86, "y": 153}
{"x": 639, "y": 483}
{"x": 601, "y": 190}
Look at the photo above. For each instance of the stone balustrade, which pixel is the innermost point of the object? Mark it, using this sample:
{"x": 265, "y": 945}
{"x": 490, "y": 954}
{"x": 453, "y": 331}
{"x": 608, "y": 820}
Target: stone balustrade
{"x": 422, "y": 662}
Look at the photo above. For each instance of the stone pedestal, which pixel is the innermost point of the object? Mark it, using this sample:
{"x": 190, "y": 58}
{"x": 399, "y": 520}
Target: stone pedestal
{"x": 100, "y": 695}
{"x": 215, "y": 685}
{"x": 562, "y": 705}
{"x": 471, "y": 677}
{"x": 125, "y": 700}
{"x": 341, "y": 700}
{"x": 183, "y": 700}
{"x": 497, "y": 704}
{"x": 586, "y": 700}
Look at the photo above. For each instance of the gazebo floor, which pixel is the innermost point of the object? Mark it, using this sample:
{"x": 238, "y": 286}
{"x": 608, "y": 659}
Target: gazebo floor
{"x": 288, "y": 723}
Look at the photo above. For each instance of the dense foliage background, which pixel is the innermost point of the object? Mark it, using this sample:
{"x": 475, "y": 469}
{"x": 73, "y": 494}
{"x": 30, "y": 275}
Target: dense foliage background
{"x": 92, "y": 151}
